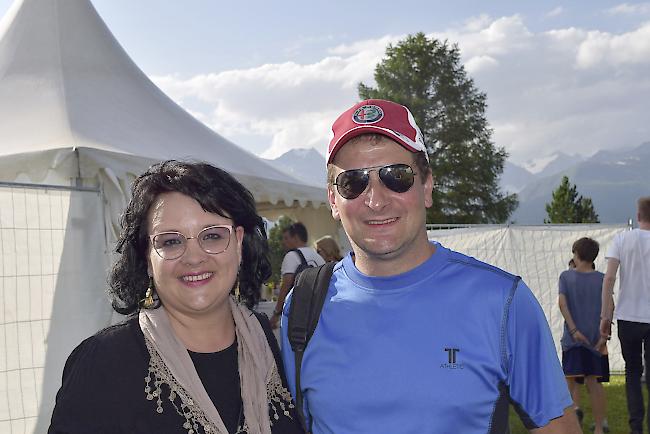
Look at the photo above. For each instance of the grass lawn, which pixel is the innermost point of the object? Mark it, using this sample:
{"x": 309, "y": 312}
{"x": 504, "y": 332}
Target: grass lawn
{"x": 616, "y": 408}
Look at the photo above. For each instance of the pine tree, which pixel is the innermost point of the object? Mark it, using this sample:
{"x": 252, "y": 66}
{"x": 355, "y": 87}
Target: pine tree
{"x": 568, "y": 206}
{"x": 427, "y": 76}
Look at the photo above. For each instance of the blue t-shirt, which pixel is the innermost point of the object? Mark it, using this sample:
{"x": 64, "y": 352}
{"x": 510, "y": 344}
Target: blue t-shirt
{"x": 583, "y": 292}
{"x": 439, "y": 349}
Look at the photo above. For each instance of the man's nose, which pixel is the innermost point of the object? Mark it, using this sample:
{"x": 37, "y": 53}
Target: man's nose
{"x": 377, "y": 195}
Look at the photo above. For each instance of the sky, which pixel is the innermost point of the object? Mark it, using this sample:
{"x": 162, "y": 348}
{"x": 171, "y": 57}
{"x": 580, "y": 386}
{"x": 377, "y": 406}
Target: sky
{"x": 272, "y": 76}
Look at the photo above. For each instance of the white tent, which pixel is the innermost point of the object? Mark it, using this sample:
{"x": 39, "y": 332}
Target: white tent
{"x": 76, "y": 111}
{"x": 68, "y": 91}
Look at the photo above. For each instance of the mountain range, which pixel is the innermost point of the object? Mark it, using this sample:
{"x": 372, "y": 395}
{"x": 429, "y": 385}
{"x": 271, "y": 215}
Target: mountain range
{"x": 614, "y": 180}
{"x": 306, "y": 165}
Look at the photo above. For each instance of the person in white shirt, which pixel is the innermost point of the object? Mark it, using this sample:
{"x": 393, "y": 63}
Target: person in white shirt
{"x": 294, "y": 240}
{"x": 630, "y": 251}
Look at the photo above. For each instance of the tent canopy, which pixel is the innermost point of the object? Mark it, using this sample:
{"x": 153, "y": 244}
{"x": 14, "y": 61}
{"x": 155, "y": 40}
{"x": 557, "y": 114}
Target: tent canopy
{"x": 66, "y": 84}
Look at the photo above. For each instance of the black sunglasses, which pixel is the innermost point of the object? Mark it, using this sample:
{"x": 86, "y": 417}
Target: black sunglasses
{"x": 396, "y": 177}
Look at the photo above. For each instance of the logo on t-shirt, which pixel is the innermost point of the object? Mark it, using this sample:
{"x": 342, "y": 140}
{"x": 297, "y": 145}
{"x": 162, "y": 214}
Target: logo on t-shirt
{"x": 452, "y": 359}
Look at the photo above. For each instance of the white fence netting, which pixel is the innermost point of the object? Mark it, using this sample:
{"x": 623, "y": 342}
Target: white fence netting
{"x": 53, "y": 262}
{"x": 538, "y": 254}
{"x": 52, "y": 283}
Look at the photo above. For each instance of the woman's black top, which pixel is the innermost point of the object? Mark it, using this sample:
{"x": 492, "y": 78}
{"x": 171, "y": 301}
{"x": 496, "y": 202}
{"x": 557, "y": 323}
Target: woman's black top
{"x": 104, "y": 380}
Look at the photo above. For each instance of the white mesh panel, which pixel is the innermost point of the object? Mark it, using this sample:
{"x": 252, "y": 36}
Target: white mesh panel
{"x": 52, "y": 295}
{"x": 538, "y": 254}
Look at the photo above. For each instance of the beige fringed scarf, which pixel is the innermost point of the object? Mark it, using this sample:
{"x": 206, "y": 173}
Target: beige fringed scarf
{"x": 171, "y": 364}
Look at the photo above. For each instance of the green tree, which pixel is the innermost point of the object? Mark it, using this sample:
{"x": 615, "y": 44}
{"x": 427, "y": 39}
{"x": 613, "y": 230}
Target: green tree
{"x": 276, "y": 250}
{"x": 567, "y": 206}
{"x": 427, "y": 76}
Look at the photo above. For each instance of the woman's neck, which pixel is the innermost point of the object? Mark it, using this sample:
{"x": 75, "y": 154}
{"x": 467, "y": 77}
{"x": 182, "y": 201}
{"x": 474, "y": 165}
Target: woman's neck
{"x": 205, "y": 334}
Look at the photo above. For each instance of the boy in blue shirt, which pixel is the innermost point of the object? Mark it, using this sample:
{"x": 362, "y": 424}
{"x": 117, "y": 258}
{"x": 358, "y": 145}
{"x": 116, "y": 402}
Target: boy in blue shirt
{"x": 582, "y": 345}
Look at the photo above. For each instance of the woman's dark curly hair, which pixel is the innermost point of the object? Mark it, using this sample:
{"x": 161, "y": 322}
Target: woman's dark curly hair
{"x": 217, "y": 192}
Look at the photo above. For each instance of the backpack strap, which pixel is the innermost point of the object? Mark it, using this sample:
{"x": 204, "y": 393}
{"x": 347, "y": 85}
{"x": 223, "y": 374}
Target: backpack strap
{"x": 309, "y": 292}
{"x": 303, "y": 261}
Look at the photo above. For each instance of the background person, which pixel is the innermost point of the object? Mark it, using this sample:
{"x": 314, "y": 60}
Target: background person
{"x": 293, "y": 238}
{"x": 328, "y": 248}
{"x": 190, "y": 358}
{"x": 413, "y": 337}
{"x": 630, "y": 250}
{"x": 582, "y": 346}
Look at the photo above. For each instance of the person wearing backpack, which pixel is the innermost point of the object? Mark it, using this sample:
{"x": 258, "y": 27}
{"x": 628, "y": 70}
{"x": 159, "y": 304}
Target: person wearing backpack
{"x": 408, "y": 336}
{"x": 298, "y": 257}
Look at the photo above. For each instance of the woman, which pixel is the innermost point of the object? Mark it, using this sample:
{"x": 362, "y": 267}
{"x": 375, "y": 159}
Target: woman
{"x": 190, "y": 359}
{"x": 326, "y": 247}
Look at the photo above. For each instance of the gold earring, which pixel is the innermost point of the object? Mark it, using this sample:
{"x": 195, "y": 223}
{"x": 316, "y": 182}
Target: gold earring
{"x": 148, "y": 301}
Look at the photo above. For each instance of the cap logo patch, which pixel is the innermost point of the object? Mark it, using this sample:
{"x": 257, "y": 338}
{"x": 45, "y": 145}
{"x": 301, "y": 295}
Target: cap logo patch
{"x": 368, "y": 114}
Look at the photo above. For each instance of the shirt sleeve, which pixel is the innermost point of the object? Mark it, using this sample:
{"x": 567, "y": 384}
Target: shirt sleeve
{"x": 536, "y": 381}
{"x": 78, "y": 401}
{"x": 287, "y": 353}
{"x": 288, "y": 356}
{"x": 562, "y": 283}
{"x": 289, "y": 263}
{"x": 614, "y": 250}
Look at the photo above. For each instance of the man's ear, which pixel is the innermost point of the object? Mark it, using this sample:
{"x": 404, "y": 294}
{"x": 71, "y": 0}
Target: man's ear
{"x": 331, "y": 197}
{"x": 428, "y": 190}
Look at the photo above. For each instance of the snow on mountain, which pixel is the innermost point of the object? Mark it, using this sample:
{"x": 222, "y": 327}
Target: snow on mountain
{"x": 306, "y": 165}
{"x": 614, "y": 180}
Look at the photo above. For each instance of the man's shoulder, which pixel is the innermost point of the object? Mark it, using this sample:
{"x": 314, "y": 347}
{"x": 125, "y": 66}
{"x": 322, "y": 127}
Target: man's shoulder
{"x": 311, "y": 256}
{"x": 290, "y": 261}
{"x": 470, "y": 264}
{"x": 291, "y": 253}
{"x": 628, "y": 238}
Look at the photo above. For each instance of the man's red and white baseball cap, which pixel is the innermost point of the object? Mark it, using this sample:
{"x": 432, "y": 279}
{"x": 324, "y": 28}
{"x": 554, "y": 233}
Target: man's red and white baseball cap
{"x": 376, "y": 116}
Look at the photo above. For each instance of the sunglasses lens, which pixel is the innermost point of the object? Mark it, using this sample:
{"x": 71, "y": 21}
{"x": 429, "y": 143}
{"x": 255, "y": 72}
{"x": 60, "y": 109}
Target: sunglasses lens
{"x": 351, "y": 183}
{"x": 397, "y": 177}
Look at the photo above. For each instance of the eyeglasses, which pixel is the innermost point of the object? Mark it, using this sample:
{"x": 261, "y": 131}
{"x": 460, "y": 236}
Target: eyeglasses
{"x": 172, "y": 245}
{"x": 396, "y": 177}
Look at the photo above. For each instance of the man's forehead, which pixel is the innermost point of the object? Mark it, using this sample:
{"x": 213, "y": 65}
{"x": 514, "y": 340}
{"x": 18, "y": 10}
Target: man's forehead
{"x": 363, "y": 155}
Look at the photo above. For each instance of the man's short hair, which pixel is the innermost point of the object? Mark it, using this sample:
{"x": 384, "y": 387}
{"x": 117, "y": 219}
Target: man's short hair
{"x": 643, "y": 205}
{"x": 420, "y": 161}
{"x": 586, "y": 248}
{"x": 299, "y": 230}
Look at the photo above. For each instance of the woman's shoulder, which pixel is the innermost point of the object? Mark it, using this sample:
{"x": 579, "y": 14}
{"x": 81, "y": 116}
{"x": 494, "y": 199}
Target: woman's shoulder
{"x": 116, "y": 334}
{"x": 107, "y": 345}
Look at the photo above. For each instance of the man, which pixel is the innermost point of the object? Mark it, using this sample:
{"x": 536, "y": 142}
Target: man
{"x": 630, "y": 250}
{"x": 294, "y": 239}
{"x": 415, "y": 338}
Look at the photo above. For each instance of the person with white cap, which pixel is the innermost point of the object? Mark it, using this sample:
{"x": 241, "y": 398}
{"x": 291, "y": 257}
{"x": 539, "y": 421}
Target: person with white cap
{"x": 414, "y": 337}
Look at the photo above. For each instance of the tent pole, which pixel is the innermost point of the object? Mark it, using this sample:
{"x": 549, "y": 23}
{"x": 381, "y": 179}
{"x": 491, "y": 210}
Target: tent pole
{"x": 78, "y": 180}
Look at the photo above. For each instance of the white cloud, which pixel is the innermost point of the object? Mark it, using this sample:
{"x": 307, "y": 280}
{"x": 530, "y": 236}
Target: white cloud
{"x": 630, "y": 9}
{"x": 569, "y": 89}
{"x": 482, "y": 36}
{"x": 285, "y": 105}
{"x": 602, "y": 48}
{"x": 479, "y": 63}
{"x": 555, "y": 12}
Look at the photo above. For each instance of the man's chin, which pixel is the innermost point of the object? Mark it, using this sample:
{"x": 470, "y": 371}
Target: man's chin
{"x": 381, "y": 252}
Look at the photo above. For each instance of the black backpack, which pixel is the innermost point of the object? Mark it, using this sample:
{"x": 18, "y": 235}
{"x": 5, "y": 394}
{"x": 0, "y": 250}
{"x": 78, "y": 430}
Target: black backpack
{"x": 309, "y": 291}
{"x": 303, "y": 263}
